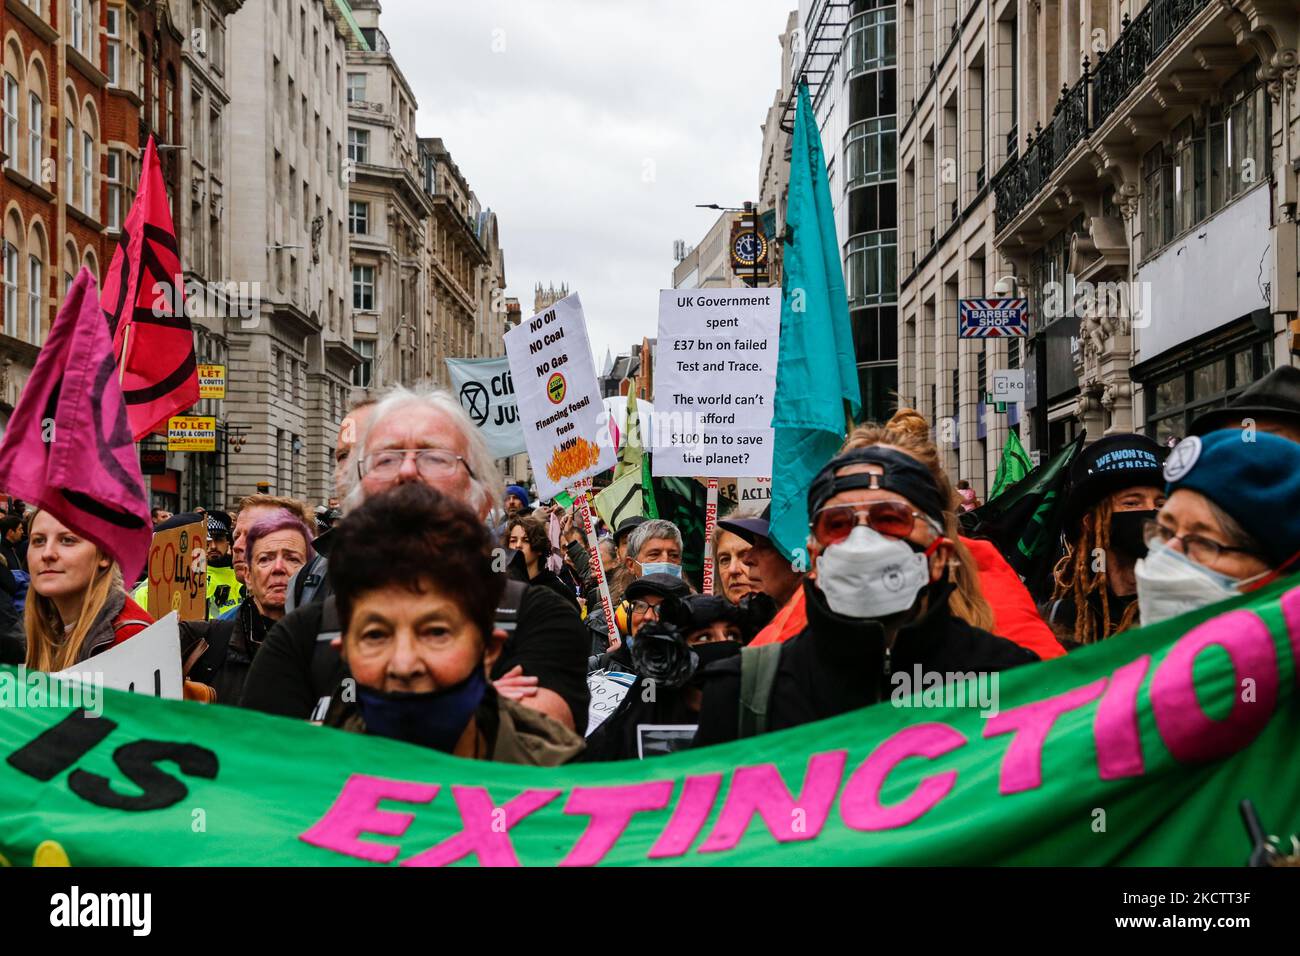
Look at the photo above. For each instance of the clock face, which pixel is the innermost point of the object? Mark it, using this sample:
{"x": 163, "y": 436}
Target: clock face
{"x": 748, "y": 248}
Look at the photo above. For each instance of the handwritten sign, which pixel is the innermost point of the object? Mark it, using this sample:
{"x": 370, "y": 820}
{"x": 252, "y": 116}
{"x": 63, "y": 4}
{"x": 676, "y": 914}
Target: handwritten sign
{"x": 608, "y": 688}
{"x": 149, "y": 663}
{"x": 178, "y": 572}
{"x": 558, "y": 397}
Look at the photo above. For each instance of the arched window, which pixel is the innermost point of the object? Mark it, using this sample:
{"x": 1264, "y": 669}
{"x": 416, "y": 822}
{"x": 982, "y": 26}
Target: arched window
{"x": 91, "y": 263}
{"x": 69, "y": 265}
{"x": 37, "y": 94}
{"x": 89, "y": 159}
{"x": 11, "y": 101}
{"x": 36, "y": 258}
{"x": 9, "y": 269}
{"x": 69, "y": 148}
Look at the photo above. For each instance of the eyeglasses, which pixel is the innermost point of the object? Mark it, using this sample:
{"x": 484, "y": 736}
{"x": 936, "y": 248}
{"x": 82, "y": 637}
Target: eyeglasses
{"x": 429, "y": 462}
{"x": 1199, "y": 548}
{"x": 894, "y": 519}
{"x": 643, "y": 607}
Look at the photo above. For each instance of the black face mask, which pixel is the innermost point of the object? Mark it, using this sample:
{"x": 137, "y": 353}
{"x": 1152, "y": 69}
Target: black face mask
{"x": 1126, "y": 532}
{"x": 715, "y": 651}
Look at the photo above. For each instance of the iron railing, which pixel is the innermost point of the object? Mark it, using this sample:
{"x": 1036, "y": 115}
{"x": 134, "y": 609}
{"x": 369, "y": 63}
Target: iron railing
{"x": 1089, "y": 103}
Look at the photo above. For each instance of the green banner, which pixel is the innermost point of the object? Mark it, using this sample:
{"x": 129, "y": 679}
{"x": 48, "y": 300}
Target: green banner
{"x": 1135, "y": 750}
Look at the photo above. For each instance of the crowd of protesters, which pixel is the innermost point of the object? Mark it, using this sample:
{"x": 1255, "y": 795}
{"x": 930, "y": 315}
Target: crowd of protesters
{"x": 440, "y": 606}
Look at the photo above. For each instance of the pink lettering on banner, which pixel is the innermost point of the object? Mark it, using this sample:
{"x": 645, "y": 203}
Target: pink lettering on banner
{"x": 610, "y": 809}
{"x": 693, "y": 807}
{"x": 761, "y": 790}
{"x": 1115, "y": 728}
{"x": 1022, "y": 767}
{"x": 356, "y": 811}
{"x": 485, "y": 832}
{"x": 1189, "y": 733}
{"x": 1291, "y": 614}
{"x": 860, "y": 805}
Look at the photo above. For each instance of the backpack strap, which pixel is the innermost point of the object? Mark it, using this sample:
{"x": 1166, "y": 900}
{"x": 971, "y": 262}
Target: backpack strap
{"x": 758, "y": 666}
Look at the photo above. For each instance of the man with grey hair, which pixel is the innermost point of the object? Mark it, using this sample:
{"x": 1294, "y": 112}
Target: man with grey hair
{"x": 425, "y": 436}
{"x": 654, "y": 547}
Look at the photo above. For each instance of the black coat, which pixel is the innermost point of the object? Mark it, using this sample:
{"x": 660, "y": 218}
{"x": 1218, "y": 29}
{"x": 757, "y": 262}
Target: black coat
{"x": 837, "y": 664}
{"x": 232, "y": 646}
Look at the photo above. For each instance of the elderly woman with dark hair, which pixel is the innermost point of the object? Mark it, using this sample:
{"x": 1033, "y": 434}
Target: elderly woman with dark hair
{"x": 275, "y": 547}
{"x": 416, "y": 601}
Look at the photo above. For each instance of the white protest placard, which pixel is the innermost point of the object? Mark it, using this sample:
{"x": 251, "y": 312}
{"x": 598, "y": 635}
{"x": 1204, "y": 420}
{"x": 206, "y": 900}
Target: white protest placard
{"x": 559, "y": 398}
{"x": 754, "y": 490}
{"x": 714, "y": 381}
{"x": 149, "y": 663}
{"x": 486, "y": 391}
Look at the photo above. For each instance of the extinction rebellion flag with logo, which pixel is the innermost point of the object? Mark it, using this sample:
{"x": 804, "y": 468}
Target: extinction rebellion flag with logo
{"x": 487, "y": 393}
{"x": 144, "y": 304}
{"x": 1136, "y": 750}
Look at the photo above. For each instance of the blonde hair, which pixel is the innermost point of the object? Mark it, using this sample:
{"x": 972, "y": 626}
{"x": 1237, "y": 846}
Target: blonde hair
{"x": 51, "y": 648}
{"x": 967, "y": 601}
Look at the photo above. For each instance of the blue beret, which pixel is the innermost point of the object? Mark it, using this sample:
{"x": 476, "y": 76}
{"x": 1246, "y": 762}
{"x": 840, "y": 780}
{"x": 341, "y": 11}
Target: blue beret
{"x": 1257, "y": 482}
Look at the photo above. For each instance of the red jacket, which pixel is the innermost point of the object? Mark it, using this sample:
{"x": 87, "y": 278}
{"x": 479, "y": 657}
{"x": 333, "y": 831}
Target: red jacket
{"x": 1015, "y": 616}
{"x": 130, "y": 622}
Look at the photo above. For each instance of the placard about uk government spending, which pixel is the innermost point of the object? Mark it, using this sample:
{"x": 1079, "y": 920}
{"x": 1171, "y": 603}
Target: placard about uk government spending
{"x": 559, "y": 397}
{"x": 715, "y": 377}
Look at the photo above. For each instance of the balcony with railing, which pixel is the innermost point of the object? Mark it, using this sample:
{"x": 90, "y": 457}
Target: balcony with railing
{"x": 1089, "y": 104}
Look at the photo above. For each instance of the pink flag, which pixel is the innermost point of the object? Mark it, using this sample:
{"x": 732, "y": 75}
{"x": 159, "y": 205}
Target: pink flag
{"x": 68, "y": 448}
{"x": 144, "y": 303}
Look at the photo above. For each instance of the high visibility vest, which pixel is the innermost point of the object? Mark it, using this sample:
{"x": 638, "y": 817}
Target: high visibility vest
{"x": 223, "y": 591}
{"x": 141, "y": 595}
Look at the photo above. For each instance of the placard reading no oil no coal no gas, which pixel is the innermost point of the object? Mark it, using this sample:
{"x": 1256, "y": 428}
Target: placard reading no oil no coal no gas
{"x": 559, "y": 397}
{"x": 714, "y": 381}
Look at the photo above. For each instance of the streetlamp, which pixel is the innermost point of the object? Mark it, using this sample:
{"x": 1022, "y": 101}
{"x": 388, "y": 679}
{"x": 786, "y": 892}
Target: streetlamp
{"x": 236, "y": 437}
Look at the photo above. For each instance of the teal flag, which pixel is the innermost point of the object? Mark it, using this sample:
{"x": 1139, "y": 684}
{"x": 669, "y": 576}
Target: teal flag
{"x": 816, "y": 373}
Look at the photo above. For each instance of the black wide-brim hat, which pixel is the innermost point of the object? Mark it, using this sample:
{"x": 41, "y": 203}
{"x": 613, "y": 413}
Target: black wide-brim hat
{"x": 1276, "y": 395}
{"x": 1108, "y": 465}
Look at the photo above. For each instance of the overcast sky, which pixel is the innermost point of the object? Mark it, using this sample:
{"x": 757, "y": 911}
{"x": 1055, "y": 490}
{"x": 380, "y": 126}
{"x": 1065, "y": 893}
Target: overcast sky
{"x": 592, "y": 128}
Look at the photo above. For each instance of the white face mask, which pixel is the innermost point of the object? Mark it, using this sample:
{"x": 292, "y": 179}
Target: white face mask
{"x": 868, "y": 575}
{"x": 1170, "y": 583}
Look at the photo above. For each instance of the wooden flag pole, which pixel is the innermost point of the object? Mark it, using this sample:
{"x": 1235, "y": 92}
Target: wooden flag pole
{"x": 710, "y": 521}
{"x": 598, "y": 567}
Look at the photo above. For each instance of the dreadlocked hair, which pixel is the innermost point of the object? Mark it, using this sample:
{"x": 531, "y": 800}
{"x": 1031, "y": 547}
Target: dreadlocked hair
{"x": 1075, "y": 578}
{"x": 967, "y": 601}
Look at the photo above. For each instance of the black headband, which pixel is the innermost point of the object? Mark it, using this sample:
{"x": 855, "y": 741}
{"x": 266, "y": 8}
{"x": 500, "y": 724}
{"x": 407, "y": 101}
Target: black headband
{"x": 902, "y": 474}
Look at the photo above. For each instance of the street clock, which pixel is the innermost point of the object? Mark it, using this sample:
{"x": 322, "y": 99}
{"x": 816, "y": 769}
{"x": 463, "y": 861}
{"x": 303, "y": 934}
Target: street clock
{"x": 748, "y": 249}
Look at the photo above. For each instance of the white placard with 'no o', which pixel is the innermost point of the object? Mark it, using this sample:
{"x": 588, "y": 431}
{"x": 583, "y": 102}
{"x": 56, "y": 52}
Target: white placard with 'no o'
{"x": 558, "y": 397}
{"x": 714, "y": 381}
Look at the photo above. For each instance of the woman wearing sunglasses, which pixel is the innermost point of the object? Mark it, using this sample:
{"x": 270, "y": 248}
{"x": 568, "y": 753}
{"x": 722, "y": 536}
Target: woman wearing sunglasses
{"x": 877, "y": 605}
{"x": 1230, "y": 524}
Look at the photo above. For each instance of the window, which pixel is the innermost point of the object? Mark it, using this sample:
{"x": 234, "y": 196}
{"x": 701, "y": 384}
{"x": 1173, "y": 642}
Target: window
{"x": 871, "y": 41}
{"x": 214, "y": 139}
{"x": 35, "y": 141}
{"x": 1158, "y": 179}
{"x": 69, "y": 157}
{"x": 872, "y": 273}
{"x": 11, "y": 288}
{"x": 363, "y": 288}
{"x": 358, "y": 218}
{"x": 88, "y": 173}
{"x": 356, "y": 87}
{"x": 1247, "y": 134}
{"x": 35, "y": 280}
{"x": 113, "y": 65}
{"x": 361, "y": 374}
{"x": 114, "y": 190}
{"x": 358, "y": 145}
{"x": 76, "y": 17}
{"x": 871, "y": 152}
{"x": 11, "y": 121}
{"x": 1175, "y": 399}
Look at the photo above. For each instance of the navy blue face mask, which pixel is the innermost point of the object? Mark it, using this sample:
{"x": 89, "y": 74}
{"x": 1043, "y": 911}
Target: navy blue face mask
{"x": 435, "y": 719}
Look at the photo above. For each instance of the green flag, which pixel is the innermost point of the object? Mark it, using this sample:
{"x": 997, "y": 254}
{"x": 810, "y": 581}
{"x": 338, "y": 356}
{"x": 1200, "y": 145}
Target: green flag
{"x": 620, "y": 501}
{"x": 816, "y": 374}
{"x": 1015, "y": 464}
{"x": 1024, "y": 521}
{"x": 1151, "y": 727}
{"x": 629, "y": 456}
{"x": 682, "y": 501}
